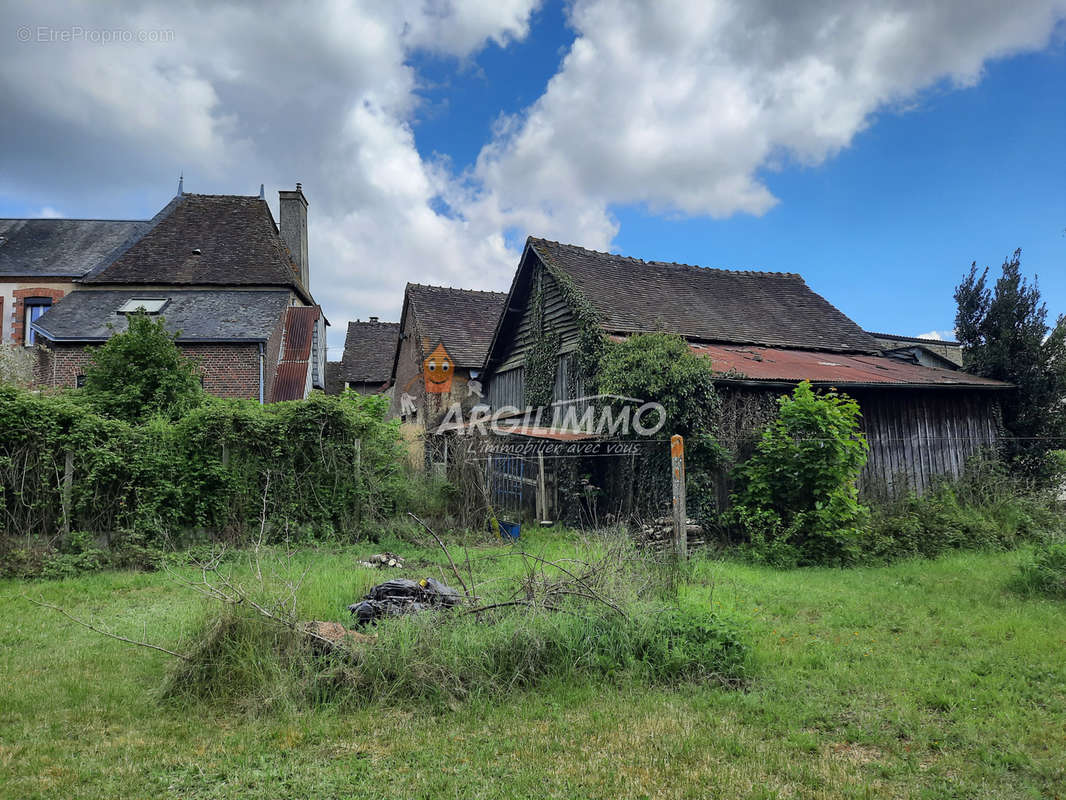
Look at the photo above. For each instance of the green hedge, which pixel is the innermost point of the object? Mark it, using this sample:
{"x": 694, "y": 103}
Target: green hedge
{"x": 225, "y": 469}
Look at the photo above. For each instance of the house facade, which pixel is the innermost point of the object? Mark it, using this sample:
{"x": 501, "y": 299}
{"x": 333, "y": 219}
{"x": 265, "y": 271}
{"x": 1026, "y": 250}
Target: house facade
{"x": 444, "y": 336}
{"x": 40, "y": 259}
{"x": 762, "y": 332}
{"x": 227, "y": 281}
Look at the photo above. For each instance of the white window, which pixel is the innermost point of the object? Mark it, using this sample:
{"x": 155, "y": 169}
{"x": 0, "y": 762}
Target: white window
{"x": 34, "y": 308}
{"x": 149, "y": 305}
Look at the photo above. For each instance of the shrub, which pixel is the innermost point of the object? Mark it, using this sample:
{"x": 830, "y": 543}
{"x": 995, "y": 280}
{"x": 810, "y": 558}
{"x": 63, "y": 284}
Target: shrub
{"x": 320, "y": 467}
{"x": 986, "y": 508}
{"x": 1045, "y": 574}
{"x": 797, "y": 501}
{"x": 438, "y": 657}
{"x": 141, "y": 372}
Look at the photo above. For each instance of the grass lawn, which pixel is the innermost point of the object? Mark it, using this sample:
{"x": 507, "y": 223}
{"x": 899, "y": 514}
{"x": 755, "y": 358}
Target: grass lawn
{"x": 922, "y": 679}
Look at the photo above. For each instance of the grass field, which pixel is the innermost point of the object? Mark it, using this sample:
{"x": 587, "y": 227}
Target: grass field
{"x": 922, "y": 679}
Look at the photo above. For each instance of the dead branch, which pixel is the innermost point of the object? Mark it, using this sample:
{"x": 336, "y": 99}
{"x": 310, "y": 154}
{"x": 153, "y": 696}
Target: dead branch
{"x": 102, "y": 632}
{"x": 436, "y": 538}
{"x": 582, "y": 581}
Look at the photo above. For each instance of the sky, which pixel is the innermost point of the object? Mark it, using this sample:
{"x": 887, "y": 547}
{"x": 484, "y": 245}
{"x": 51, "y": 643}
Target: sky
{"x": 876, "y": 148}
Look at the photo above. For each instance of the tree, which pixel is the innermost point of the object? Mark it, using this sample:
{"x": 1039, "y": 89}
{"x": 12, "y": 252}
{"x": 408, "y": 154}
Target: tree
{"x": 1005, "y": 335}
{"x": 141, "y": 372}
{"x": 660, "y": 367}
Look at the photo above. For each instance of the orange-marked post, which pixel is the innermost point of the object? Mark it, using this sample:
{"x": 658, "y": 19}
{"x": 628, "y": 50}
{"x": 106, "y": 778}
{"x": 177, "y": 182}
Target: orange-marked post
{"x": 677, "y": 467}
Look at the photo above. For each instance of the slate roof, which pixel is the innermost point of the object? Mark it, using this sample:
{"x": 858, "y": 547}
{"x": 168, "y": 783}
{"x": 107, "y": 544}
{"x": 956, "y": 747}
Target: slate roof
{"x": 766, "y": 308}
{"x": 463, "y": 319}
{"x": 208, "y": 315}
{"x": 62, "y": 248}
{"x": 238, "y": 243}
{"x": 369, "y": 348}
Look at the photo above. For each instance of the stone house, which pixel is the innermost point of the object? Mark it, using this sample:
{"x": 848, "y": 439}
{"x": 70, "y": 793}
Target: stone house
{"x": 225, "y": 278}
{"x": 444, "y": 336}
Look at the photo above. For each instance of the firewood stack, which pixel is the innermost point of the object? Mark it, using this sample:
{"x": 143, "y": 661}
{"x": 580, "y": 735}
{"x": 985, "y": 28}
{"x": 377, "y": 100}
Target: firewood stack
{"x": 659, "y": 533}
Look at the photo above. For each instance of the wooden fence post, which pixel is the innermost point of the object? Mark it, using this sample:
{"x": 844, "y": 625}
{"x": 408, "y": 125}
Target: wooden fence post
{"x": 542, "y": 490}
{"x": 68, "y": 486}
{"x": 677, "y": 466}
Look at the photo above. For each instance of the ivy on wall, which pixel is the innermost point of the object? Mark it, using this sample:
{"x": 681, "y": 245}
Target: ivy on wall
{"x": 591, "y": 341}
{"x": 543, "y": 355}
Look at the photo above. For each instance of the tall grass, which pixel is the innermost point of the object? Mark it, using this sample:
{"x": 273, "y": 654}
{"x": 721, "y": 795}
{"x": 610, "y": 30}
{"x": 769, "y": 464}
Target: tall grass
{"x": 629, "y": 625}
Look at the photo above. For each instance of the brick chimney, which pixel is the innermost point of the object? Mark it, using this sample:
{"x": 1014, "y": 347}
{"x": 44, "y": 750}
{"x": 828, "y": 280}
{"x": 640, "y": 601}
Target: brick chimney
{"x": 293, "y": 225}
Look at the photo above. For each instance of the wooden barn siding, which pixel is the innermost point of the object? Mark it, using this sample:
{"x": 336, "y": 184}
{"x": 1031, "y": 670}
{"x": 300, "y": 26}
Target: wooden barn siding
{"x": 916, "y": 436}
{"x": 508, "y": 389}
{"x": 557, "y": 315}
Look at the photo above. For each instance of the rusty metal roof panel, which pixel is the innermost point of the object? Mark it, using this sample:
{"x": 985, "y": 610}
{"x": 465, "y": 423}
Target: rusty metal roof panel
{"x": 778, "y": 364}
{"x": 290, "y": 381}
{"x": 299, "y": 327}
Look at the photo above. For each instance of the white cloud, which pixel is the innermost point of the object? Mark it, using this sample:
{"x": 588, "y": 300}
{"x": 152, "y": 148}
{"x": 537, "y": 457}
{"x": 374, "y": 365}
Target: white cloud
{"x": 939, "y": 336}
{"x": 678, "y": 104}
{"x": 47, "y": 212}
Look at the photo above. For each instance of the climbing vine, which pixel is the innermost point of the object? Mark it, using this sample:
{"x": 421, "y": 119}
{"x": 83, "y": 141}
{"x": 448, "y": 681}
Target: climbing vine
{"x": 591, "y": 341}
{"x": 543, "y": 355}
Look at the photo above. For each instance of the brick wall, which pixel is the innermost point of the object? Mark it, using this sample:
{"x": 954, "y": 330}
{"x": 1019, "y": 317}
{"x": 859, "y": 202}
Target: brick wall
{"x": 229, "y": 370}
{"x": 18, "y": 329}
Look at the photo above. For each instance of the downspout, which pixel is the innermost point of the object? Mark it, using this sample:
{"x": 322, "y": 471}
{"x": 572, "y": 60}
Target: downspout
{"x": 261, "y": 391}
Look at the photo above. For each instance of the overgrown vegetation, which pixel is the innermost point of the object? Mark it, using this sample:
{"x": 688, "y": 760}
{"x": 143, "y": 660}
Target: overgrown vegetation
{"x": 986, "y": 508}
{"x": 1005, "y": 335}
{"x": 925, "y": 678}
{"x": 660, "y": 368}
{"x": 797, "y": 501}
{"x": 75, "y": 483}
{"x": 140, "y": 373}
{"x": 1045, "y": 572}
{"x": 605, "y": 612}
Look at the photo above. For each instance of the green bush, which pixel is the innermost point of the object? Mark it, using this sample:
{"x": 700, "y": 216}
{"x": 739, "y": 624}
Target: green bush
{"x": 984, "y": 509}
{"x": 797, "y": 501}
{"x": 141, "y": 372}
{"x": 322, "y": 467}
{"x": 1045, "y": 574}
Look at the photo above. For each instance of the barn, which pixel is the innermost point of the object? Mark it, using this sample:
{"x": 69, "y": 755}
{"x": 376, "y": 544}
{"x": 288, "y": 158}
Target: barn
{"x": 762, "y": 332}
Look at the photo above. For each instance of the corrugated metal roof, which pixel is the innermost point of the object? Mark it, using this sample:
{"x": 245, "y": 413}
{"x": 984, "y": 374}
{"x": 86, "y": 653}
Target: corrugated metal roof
{"x": 299, "y": 326}
{"x": 290, "y": 381}
{"x": 838, "y": 369}
{"x": 542, "y": 432}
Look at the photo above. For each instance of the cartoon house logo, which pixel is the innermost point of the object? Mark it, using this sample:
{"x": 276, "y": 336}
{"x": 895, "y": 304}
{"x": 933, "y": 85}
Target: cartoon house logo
{"x": 437, "y": 370}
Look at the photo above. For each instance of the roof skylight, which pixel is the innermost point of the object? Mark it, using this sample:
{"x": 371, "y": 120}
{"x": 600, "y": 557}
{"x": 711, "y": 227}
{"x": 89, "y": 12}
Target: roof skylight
{"x": 149, "y": 305}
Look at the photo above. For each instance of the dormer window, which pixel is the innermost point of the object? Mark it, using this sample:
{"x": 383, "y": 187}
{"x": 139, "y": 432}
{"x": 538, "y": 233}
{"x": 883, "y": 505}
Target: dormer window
{"x": 144, "y": 304}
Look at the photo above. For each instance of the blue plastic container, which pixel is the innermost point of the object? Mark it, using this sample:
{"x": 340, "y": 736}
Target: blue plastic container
{"x": 510, "y": 530}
